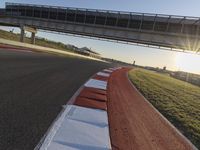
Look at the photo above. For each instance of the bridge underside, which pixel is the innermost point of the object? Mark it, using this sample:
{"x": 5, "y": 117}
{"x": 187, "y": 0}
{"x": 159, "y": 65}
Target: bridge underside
{"x": 173, "y": 32}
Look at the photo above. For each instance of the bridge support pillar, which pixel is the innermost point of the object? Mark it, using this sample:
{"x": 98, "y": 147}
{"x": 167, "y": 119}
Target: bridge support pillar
{"x": 22, "y": 34}
{"x": 29, "y": 29}
{"x": 32, "y": 38}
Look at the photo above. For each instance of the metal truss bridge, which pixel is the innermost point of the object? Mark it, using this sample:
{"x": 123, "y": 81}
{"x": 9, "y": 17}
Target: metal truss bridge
{"x": 180, "y": 33}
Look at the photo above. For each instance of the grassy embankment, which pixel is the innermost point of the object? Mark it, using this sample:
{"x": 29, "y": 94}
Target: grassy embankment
{"x": 177, "y": 100}
{"x": 38, "y": 41}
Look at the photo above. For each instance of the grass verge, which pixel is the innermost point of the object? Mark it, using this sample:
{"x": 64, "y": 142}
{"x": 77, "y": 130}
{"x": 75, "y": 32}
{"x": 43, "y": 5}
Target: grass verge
{"x": 177, "y": 100}
{"x": 38, "y": 41}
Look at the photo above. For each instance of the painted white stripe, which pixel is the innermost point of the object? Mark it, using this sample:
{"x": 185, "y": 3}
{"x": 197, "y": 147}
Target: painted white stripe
{"x": 82, "y": 129}
{"x": 103, "y": 74}
{"x": 119, "y": 68}
{"x": 116, "y": 68}
{"x": 96, "y": 84}
{"x": 50, "y": 135}
{"x": 106, "y": 70}
{"x": 112, "y": 69}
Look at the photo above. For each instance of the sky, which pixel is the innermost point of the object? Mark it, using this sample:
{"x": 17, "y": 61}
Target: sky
{"x": 142, "y": 55}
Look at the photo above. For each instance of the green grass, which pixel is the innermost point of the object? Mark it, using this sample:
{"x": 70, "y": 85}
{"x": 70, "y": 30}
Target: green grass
{"x": 177, "y": 100}
{"x": 39, "y": 41}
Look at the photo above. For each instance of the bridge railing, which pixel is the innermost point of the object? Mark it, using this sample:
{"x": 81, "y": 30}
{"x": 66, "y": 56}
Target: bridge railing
{"x": 128, "y": 20}
{"x": 2, "y": 12}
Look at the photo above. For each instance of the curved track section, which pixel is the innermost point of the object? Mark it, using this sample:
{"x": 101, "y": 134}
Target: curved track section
{"x": 33, "y": 88}
{"x": 107, "y": 112}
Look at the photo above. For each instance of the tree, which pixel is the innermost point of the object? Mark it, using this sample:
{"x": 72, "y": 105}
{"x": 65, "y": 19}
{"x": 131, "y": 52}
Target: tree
{"x": 134, "y": 63}
{"x": 164, "y": 68}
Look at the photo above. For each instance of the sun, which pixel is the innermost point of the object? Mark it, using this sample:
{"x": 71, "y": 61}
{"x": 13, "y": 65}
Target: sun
{"x": 188, "y": 62}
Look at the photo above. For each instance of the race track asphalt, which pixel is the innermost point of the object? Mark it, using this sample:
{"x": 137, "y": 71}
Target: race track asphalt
{"x": 33, "y": 88}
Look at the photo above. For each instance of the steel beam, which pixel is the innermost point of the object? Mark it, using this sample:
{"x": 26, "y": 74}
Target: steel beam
{"x": 134, "y": 33}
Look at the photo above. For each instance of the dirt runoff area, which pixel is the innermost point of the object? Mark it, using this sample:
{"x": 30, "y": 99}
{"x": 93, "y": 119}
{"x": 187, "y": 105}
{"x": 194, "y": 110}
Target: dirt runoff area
{"x": 134, "y": 123}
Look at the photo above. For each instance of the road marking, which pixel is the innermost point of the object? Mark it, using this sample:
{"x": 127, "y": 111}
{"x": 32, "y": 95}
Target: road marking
{"x": 72, "y": 129}
{"x": 103, "y": 74}
{"x": 109, "y": 71}
{"x": 82, "y": 128}
{"x": 96, "y": 84}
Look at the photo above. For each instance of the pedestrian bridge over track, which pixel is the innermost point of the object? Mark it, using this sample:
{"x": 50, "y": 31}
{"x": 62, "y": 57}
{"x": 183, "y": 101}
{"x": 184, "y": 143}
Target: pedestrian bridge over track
{"x": 155, "y": 30}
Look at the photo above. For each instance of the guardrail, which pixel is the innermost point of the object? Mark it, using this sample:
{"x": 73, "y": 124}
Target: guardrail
{"x": 119, "y": 19}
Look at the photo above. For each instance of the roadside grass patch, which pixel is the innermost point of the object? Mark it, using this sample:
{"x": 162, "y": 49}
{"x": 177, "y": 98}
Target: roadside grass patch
{"x": 38, "y": 41}
{"x": 177, "y": 100}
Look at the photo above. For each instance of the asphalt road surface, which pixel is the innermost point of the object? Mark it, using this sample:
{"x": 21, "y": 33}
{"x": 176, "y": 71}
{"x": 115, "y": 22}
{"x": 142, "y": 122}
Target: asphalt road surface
{"x": 33, "y": 88}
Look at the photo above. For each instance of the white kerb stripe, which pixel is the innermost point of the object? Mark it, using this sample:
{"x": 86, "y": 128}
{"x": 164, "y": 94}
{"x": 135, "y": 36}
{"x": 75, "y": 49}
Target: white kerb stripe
{"x": 82, "y": 129}
{"x": 110, "y": 71}
{"x": 96, "y": 84}
{"x": 116, "y": 68}
{"x": 103, "y": 74}
{"x": 50, "y": 135}
{"x": 119, "y": 68}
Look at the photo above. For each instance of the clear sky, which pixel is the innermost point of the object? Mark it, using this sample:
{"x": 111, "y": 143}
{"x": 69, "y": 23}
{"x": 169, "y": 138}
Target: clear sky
{"x": 128, "y": 53}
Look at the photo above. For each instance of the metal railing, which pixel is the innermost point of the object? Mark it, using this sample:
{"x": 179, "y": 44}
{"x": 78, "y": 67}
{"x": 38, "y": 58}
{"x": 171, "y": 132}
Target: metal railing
{"x": 66, "y": 19}
{"x": 121, "y": 19}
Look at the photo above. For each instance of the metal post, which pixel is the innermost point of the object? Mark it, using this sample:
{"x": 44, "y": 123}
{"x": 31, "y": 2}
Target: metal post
{"x": 18, "y": 12}
{"x": 11, "y": 11}
{"x": 197, "y": 31}
{"x": 33, "y": 12}
{"x": 32, "y": 38}
{"x": 75, "y": 15}
{"x": 168, "y": 19}
{"x": 57, "y": 14}
{"x": 106, "y": 18}
{"x": 95, "y": 17}
{"x": 40, "y": 12}
{"x": 182, "y": 24}
{"x": 141, "y": 22}
{"x": 66, "y": 12}
{"x": 197, "y": 39}
{"x": 85, "y": 15}
{"x": 49, "y": 13}
{"x": 154, "y": 22}
{"x": 116, "y": 23}
{"x": 129, "y": 20}
{"x": 25, "y": 11}
{"x": 22, "y": 34}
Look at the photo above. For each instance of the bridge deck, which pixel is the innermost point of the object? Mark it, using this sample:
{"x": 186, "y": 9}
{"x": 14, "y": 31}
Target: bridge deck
{"x": 168, "y": 32}
{"x": 131, "y": 20}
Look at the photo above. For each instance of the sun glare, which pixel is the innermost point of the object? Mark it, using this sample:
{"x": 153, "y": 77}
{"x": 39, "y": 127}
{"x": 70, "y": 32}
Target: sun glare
{"x": 188, "y": 62}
